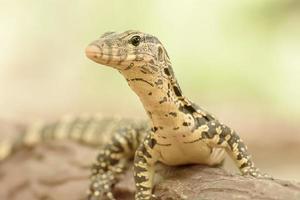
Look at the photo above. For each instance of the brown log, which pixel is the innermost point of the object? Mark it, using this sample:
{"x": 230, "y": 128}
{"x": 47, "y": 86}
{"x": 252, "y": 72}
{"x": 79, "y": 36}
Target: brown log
{"x": 206, "y": 183}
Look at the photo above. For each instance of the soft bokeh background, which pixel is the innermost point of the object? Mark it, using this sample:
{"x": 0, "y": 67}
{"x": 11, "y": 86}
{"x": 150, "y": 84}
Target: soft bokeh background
{"x": 238, "y": 59}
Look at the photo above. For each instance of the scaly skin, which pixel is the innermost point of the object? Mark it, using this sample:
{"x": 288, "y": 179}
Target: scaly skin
{"x": 182, "y": 132}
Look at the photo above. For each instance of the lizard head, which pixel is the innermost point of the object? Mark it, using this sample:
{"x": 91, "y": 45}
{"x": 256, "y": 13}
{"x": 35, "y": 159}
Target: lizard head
{"x": 129, "y": 51}
{"x": 145, "y": 64}
{"x": 142, "y": 60}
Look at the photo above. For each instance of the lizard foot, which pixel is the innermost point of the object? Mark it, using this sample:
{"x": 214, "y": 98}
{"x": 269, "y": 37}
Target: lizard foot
{"x": 255, "y": 172}
{"x": 145, "y": 197}
{"x": 101, "y": 187}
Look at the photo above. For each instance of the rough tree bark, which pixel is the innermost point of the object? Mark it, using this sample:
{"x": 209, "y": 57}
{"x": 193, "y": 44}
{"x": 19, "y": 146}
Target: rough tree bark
{"x": 60, "y": 170}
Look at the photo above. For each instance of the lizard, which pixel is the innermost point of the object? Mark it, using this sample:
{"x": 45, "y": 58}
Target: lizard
{"x": 181, "y": 131}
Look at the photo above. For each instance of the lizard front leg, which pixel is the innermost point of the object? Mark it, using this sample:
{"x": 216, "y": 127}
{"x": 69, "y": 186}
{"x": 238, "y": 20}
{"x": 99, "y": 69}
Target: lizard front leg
{"x": 112, "y": 161}
{"x": 144, "y": 160}
{"x": 220, "y": 135}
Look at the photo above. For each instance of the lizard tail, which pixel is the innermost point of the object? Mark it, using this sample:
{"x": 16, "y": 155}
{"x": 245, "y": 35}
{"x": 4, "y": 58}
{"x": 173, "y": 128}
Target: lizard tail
{"x": 92, "y": 130}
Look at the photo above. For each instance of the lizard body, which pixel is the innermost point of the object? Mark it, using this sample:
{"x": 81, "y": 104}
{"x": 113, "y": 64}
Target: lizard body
{"x": 182, "y": 132}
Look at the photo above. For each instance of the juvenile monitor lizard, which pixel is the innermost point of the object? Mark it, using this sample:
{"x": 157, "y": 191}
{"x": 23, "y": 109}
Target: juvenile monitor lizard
{"x": 181, "y": 132}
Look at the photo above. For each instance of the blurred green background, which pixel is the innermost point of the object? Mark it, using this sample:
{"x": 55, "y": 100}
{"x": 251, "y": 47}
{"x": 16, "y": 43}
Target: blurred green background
{"x": 238, "y": 59}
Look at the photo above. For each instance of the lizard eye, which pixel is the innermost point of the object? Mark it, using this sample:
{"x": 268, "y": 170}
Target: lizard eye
{"x": 135, "y": 40}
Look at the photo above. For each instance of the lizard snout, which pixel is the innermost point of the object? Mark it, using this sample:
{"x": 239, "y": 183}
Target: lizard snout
{"x": 92, "y": 52}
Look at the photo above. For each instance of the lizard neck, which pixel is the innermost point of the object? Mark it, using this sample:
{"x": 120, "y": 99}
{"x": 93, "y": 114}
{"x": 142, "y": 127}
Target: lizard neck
{"x": 162, "y": 99}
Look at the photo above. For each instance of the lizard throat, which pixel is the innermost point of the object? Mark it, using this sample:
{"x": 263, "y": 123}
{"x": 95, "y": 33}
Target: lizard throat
{"x": 162, "y": 100}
